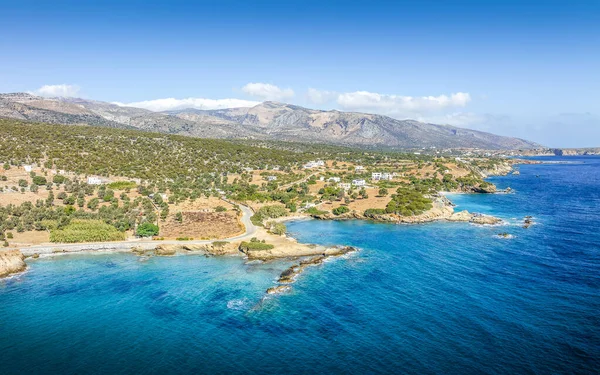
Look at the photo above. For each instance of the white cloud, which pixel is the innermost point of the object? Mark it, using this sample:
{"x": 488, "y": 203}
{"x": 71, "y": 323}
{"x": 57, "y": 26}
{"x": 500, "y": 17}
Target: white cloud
{"x": 396, "y": 104}
{"x": 392, "y": 105}
{"x": 198, "y": 103}
{"x": 58, "y": 90}
{"x": 267, "y": 91}
{"x": 321, "y": 97}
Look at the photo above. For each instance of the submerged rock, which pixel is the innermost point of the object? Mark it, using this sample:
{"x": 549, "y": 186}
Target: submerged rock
{"x": 278, "y": 289}
{"x": 11, "y": 261}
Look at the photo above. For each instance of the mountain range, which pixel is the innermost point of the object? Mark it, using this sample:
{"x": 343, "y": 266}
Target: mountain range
{"x": 265, "y": 121}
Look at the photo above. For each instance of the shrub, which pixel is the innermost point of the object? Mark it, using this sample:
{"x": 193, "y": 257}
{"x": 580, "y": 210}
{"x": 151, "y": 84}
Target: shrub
{"x": 267, "y": 212}
{"x": 147, "y": 230}
{"x": 122, "y": 185}
{"x": 220, "y": 209}
{"x": 315, "y": 211}
{"x": 58, "y": 179}
{"x": 184, "y": 238}
{"x": 371, "y": 212}
{"x": 278, "y": 229}
{"x": 39, "y": 180}
{"x": 86, "y": 231}
{"x": 254, "y": 246}
{"x": 9, "y": 235}
{"x": 340, "y": 210}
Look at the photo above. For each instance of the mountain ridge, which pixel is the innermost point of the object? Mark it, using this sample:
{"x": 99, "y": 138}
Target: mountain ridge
{"x": 266, "y": 121}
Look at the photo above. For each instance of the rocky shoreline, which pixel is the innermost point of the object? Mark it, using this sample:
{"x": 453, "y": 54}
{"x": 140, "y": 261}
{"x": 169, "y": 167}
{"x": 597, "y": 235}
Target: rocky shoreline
{"x": 443, "y": 210}
{"x": 11, "y": 262}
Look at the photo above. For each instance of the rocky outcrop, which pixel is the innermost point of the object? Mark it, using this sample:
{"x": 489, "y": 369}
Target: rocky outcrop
{"x": 166, "y": 250}
{"x": 475, "y": 218}
{"x": 289, "y": 275}
{"x": 11, "y": 261}
{"x": 278, "y": 289}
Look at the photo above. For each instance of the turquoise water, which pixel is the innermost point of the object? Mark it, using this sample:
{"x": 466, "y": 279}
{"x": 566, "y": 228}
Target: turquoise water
{"x": 441, "y": 298}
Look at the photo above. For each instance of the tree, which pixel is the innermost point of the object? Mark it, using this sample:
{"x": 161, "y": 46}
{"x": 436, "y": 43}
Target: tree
{"x": 383, "y": 192}
{"x": 58, "y": 179}
{"x": 278, "y": 229}
{"x": 220, "y": 209}
{"x": 147, "y": 230}
{"x": 179, "y": 217}
{"x": 39, "y": 180}
{"x": 23, "y": 183}
{"x": 93, "y": 204}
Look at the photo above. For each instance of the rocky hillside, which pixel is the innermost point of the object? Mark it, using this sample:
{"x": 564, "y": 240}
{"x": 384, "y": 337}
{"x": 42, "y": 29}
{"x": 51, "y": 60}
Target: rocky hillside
{"x": 268, "y": 121}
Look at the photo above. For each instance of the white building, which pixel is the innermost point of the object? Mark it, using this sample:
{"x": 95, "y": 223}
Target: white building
{"x": 271, "y": 178}
{"x": 377, "y": 176}
{"x": 93, "y": 180}
{"x": 334, "y": 179}
{"x": 359, "y": 168}
{"x": 28, "y": 168}
{"x": 321, "y": 178}
{"x": 314, "y": 164}
{"x": 345, "y": 185}
{"x": 359, "y": 182}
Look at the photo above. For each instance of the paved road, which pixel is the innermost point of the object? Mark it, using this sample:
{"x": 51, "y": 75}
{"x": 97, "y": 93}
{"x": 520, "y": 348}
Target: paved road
{"x": 143, "y": 243}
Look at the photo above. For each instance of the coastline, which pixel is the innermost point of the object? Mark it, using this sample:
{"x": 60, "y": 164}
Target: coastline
{"x": 282, "y": 246}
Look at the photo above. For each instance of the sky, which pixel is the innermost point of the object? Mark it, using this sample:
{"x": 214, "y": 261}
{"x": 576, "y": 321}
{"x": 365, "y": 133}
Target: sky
{"x": 529, "y": 69}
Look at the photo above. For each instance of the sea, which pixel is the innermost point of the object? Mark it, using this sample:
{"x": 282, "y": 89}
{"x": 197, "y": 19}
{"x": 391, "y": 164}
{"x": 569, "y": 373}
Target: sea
{"x": 437, "y": 298}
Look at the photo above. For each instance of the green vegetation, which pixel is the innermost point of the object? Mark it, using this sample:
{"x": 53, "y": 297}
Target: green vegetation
{"x": 340, "y": 210}
{"x": 408, "y": 201}
{"x": 220, "y": 209}
{"x": 147, "y": 230}
{"x": 315, "y": 211}
{"x": 184, "y": 238}
{"x": 372, "y": 212}
{"x": 86, "y": 231}
{"x": 277, "y": 228}
{"x": 267, "y": 212}
{"x": 254, "y": 244}
{"x": 122, "y": 185}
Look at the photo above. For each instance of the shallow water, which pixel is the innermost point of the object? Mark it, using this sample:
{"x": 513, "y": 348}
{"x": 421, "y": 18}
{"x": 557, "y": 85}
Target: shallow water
{"x": 441, "y": 298}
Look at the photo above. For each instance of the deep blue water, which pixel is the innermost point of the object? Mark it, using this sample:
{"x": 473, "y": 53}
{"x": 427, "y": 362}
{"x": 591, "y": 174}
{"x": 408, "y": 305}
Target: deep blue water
{"x": 442, "y": 298}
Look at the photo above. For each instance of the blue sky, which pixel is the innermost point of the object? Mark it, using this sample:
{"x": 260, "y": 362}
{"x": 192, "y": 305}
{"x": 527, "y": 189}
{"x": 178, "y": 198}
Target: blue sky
{"x": 521, "y": 68}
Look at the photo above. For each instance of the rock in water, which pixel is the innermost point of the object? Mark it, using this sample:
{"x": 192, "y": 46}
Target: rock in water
{"x": 11, "y": 261}
{"x": 278, "y": 289}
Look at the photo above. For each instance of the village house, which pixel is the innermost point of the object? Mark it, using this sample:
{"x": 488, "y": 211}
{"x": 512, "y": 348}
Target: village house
{"x": 359, "y": 168}
{"x": 377, "y": 176}
{"x": 334, "y": 179}
{"x": 345, "y": 185}
{"x": 314, "y": 164}
{"x": 28, "y": 168}
{"x": 94, "y": 180}
{"x": 359, "y": 182}
{"x": 271, "y": 178}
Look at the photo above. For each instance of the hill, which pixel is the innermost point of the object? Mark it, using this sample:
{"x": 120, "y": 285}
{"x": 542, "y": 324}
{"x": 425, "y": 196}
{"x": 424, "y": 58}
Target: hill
{"x": 265, "y": 121}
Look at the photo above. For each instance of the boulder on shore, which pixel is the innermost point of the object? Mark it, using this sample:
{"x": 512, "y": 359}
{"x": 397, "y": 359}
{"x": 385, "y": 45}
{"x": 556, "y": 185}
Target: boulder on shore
{"x": 165, "y": 250}
{"x": 11, "y": 261}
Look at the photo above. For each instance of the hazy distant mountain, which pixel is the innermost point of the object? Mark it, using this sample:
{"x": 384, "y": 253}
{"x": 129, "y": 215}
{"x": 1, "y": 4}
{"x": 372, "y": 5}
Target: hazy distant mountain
{"x": 268, "y": 120}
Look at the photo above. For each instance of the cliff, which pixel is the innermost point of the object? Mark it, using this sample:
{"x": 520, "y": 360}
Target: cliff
{"x": 11, "y": 261}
